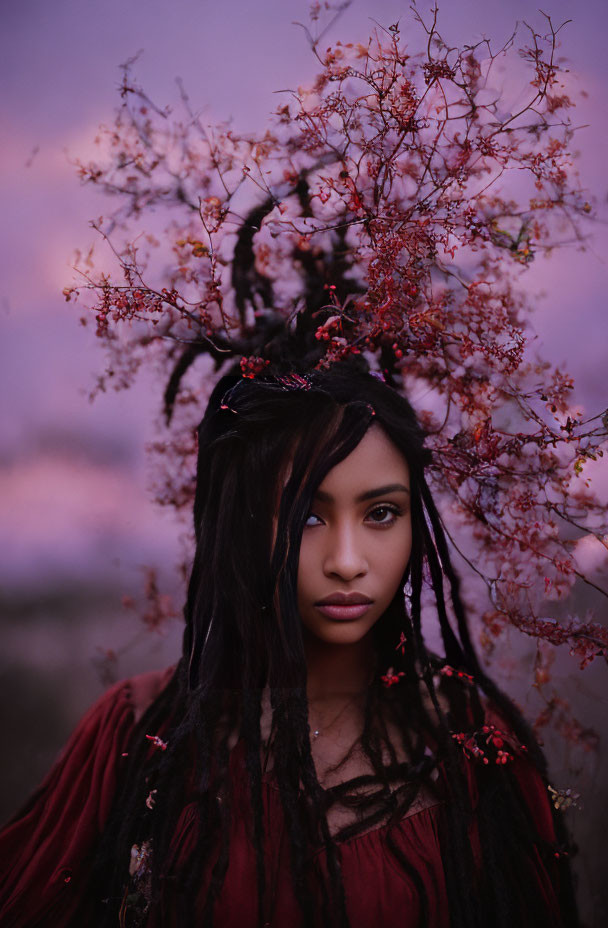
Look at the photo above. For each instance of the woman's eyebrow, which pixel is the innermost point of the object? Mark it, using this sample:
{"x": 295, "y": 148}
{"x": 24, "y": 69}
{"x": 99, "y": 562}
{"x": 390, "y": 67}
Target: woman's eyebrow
{"x": 369, "y": 494}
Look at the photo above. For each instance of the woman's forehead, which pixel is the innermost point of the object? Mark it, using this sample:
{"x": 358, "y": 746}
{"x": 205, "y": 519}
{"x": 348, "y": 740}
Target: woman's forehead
{"x": 375, "y": 462}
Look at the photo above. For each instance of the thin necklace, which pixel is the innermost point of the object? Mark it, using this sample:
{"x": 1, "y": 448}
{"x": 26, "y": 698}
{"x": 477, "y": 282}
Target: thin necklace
{"x": 315, "y": 734}
{"x": 319, "y": 731}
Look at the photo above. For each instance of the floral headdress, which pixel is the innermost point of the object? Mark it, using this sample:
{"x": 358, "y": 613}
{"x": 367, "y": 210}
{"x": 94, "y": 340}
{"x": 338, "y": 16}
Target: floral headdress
{"x": 373, "y": 220}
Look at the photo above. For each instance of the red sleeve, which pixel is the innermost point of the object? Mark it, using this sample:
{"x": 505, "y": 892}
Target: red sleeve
{"x": 44, "y": 849}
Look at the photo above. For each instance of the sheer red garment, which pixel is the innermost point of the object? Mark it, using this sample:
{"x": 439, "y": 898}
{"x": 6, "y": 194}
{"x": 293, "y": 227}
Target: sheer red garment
{"x": 46, "y": 850}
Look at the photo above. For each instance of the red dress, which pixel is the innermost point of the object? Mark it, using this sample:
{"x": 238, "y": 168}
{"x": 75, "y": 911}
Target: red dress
{"x": 46, "y": 850}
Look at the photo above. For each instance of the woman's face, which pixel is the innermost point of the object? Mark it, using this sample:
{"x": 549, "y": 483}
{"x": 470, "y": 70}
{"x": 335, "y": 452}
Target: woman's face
{"x": 356, "y": 543}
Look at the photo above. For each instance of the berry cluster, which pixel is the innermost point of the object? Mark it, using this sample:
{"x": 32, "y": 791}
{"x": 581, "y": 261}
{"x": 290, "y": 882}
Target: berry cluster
{"x": 253, "y": 366}
{"x": 448, "y": 671}
{"x": 485, "y": 745}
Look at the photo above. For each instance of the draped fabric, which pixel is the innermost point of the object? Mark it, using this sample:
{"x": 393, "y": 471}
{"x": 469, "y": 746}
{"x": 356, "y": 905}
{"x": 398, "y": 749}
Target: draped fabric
{"x": 47, "y": 848}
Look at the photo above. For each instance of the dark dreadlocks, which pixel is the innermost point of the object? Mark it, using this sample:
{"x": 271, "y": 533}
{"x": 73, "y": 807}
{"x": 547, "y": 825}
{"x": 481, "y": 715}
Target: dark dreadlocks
{"x": 243, "y": 633}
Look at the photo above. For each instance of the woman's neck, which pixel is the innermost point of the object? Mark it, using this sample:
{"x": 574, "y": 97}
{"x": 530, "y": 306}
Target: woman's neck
{"x": 337, "y": 672}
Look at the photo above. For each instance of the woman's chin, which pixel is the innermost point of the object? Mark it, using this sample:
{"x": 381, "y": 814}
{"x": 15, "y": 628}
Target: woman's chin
{"x": 339, "y": 632}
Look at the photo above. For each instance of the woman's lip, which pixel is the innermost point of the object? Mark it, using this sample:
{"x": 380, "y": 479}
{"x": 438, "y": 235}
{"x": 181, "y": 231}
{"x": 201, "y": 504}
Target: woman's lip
{"x": 354, "y": 611}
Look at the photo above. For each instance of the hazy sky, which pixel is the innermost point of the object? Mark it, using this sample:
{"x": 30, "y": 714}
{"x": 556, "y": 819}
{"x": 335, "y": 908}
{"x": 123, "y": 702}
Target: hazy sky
{"x": 72, "y": 473}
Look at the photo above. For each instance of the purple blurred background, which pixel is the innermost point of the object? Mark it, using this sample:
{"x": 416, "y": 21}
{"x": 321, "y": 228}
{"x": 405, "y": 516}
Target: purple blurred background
{"x": 78, "y": 521}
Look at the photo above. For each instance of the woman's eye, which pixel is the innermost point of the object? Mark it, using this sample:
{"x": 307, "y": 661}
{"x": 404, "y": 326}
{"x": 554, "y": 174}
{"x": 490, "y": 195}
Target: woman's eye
{"x": 384, "y": 515}
{"x": 381, "y": 515}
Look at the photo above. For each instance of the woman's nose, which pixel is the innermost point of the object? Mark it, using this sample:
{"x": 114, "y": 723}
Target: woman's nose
{"x": 345, "y": 557}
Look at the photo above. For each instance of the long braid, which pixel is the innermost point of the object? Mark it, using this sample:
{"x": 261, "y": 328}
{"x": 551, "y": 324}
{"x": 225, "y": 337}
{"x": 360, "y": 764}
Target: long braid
{"x": 412, "y": 873}
{"x": 202, "y": 718}
{"x": 314, "y": 790}
{"x": 453, "y": 651}
{"x": 460, "y": 864}
{"x": 223, "y": 801}
{"x": 286, "y": 742}
{"x": 250, "y": 730}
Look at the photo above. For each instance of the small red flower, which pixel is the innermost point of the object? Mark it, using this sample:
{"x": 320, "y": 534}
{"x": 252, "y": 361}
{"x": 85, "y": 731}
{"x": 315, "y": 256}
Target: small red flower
{"x": 390, "y": 677}
{"x": 157, "y": 742}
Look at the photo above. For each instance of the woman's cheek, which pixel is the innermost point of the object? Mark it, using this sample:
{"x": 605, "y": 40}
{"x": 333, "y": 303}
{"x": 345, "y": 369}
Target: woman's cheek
{"x": 394, "y": 556}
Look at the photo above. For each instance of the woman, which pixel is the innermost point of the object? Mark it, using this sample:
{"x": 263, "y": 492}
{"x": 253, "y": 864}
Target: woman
{"x": 308, "y": 761}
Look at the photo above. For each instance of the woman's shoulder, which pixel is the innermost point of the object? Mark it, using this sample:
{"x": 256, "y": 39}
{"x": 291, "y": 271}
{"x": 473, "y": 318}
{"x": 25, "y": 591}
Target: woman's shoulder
{"x": 47, "y": 843}
{"x": 130, "y": 697}
{"x": 104, "y": 727}
{"x": 144, "y": 688}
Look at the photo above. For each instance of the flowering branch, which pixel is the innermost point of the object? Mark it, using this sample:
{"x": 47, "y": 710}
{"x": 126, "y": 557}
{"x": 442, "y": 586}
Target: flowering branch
{"x": 391, "y": 209}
